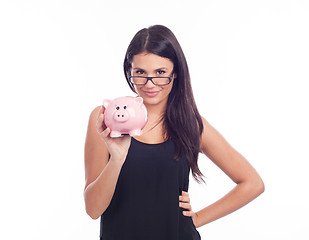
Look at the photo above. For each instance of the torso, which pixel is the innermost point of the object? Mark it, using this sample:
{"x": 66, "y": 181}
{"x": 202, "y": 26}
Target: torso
{"x": 145, "y": 204}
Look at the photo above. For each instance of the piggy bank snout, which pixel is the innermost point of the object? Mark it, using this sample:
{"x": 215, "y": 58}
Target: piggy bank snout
{"x": 121, "y": 116}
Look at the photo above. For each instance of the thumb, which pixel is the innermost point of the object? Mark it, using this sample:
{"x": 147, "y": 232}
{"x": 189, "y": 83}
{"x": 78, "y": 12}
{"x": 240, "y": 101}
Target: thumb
{"x": 105, "y": 133}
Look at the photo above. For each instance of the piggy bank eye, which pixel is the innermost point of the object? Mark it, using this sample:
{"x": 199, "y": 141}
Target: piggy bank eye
{"x": 125, "y": 107}
{"x": 117, "y": 107}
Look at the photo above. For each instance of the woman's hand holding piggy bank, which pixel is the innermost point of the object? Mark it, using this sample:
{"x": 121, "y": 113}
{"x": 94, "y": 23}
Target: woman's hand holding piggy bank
{"x": 125, "y": 115}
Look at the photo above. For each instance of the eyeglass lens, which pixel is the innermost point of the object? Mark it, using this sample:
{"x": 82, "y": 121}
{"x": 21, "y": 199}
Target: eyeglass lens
{"x": 155, "y": 80}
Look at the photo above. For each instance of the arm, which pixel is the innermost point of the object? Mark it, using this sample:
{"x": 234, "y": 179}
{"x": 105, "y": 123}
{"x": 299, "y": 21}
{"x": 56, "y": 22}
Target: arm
{"x": 249, "y": 184}
{"x": 101, "y": 173}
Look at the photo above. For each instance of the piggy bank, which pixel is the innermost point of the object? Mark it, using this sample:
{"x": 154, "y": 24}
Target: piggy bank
{"x": 125, "y": 115}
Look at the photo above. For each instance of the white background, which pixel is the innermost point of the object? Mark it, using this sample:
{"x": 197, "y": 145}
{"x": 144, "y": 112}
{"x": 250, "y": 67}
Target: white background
{"x": 249, "y": 67}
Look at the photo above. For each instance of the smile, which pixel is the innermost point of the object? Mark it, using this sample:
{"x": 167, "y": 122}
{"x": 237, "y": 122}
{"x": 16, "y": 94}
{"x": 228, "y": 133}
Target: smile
{"x": 151, "y": 94}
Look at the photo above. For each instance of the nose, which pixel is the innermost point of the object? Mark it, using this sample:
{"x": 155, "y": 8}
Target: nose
{"x": 149, "y": 83}
{"x": 121, "y": 116}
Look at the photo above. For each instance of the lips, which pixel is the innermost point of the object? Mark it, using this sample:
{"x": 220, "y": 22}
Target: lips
{"x": 151, "y": 94}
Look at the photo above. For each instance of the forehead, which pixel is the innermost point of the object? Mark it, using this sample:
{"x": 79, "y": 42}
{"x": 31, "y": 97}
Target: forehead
{"x": 151, "y": 61}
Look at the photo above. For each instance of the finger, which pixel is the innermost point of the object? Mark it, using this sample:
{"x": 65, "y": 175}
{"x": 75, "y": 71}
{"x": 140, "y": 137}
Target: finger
{"x": 100, "y": 111}
{"x": 184, "y": 198}
{"x": 185, "y": 205}
{"x": 185, "y": 193}
{"x": 105, "y": 133}
{"x": 103, "y": 111}
{"x": 188, "y": 213}
{"x": 99, "y": 124}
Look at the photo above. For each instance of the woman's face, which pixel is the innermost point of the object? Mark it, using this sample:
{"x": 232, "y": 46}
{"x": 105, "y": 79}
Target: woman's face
{"x": 151, "y": 65}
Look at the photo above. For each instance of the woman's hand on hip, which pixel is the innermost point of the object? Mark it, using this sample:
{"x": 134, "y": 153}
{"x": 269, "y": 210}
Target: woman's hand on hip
{"x": 184, "y": 202}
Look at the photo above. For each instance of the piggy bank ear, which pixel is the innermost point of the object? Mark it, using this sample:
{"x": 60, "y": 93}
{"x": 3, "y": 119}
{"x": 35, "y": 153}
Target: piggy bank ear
{"x": 139, "y": 100}
{"x": 106, "y": 102}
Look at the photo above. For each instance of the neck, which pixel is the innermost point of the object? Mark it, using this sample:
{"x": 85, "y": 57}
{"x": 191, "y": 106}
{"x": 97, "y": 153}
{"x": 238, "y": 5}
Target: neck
{"x": 154, "y": 126}
{"x": 155, "y": 111}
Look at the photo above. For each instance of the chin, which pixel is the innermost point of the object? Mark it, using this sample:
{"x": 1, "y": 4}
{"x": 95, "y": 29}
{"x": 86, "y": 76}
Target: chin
{"x": 151, "y": 101}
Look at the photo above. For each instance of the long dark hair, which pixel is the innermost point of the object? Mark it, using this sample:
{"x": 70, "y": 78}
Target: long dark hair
{"x": 181, "y": 120}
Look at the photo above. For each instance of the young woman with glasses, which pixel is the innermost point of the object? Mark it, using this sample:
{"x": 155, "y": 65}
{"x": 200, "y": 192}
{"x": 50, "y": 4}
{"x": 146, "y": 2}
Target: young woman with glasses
{"x": 139, "y": 185}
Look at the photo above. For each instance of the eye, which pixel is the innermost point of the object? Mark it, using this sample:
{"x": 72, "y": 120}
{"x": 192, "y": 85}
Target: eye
{"x": 117, "y": 108}
{"x": 125, "y": 107}
{"x": 160, "y": 72}
{"x": 139, "y": 71}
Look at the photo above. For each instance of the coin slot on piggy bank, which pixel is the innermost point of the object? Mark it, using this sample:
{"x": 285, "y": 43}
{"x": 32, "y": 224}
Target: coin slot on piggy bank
{"x": 125, "y": 115}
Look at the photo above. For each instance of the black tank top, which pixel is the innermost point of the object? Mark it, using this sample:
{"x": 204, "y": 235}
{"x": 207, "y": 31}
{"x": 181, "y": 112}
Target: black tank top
{"x": 145, "y": 204}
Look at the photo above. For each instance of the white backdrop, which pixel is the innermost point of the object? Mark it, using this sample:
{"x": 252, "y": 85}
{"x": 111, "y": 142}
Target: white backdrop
{"x": 59, "y": 59}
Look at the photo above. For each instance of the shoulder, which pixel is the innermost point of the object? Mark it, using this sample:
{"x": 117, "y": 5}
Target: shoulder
{"x": 211, "y": 140}
{"x": 94, "y": 113}
{"x": 93, "y": 120}
{"x": 92, "y": 134}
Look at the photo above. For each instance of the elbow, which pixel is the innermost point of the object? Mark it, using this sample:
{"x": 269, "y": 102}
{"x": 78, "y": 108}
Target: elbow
{"x": 90, "y": 210}
{"x": 254, "y": 186}
{"x": 258, "y": 186}
{"x": 93, "y": 215}
{"x": 261, "y": 186}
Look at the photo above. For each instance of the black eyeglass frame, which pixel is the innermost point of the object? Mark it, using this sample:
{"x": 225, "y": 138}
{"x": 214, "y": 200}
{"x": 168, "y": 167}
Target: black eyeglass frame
{"x": 150, "y": 78}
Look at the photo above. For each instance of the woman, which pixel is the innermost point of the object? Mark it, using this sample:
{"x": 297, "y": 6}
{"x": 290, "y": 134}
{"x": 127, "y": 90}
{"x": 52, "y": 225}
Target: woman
{"x": 139, "y": 185}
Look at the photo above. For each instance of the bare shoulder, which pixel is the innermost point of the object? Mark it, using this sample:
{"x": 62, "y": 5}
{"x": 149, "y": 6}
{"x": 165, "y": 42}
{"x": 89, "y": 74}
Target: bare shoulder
{"x": 95, "y": 112}
{"x": 95, "y": 152}
{"x": 210, "y": 138}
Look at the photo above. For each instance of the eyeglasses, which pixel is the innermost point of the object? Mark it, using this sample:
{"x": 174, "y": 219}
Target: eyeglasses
{"x": 158, "y": 81}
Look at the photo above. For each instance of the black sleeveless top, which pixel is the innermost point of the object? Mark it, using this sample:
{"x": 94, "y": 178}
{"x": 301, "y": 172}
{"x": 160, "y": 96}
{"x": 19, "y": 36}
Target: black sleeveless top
{"x": 145, "y": 204}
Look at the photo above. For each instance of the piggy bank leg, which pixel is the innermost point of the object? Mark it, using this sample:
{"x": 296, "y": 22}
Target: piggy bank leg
{"x": 136, "y": 132}
{"x": 114, "y": 134}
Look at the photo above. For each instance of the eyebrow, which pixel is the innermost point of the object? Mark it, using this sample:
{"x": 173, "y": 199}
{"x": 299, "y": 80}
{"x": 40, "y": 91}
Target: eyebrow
{"x": 137, "y": 68}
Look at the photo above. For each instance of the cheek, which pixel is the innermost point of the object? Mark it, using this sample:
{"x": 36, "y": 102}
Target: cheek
{"x": 169, "y": 87}
{"x": 167, "y": 90}
{"x": 138, "y": 90}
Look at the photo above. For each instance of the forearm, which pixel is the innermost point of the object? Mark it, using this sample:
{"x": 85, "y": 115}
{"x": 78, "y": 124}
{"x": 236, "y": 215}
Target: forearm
{"x": 239, "y": 196}
{"x": 99, "y": 193}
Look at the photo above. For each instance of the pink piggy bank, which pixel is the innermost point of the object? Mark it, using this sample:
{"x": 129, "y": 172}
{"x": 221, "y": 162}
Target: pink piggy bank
{"x": 125, "y": 115}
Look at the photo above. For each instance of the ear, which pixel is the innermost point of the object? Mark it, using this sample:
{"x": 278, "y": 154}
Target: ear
{"x": 139, "y": 100}
{"x": 106, "y": 102}
{"x": 175, "y": 75}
